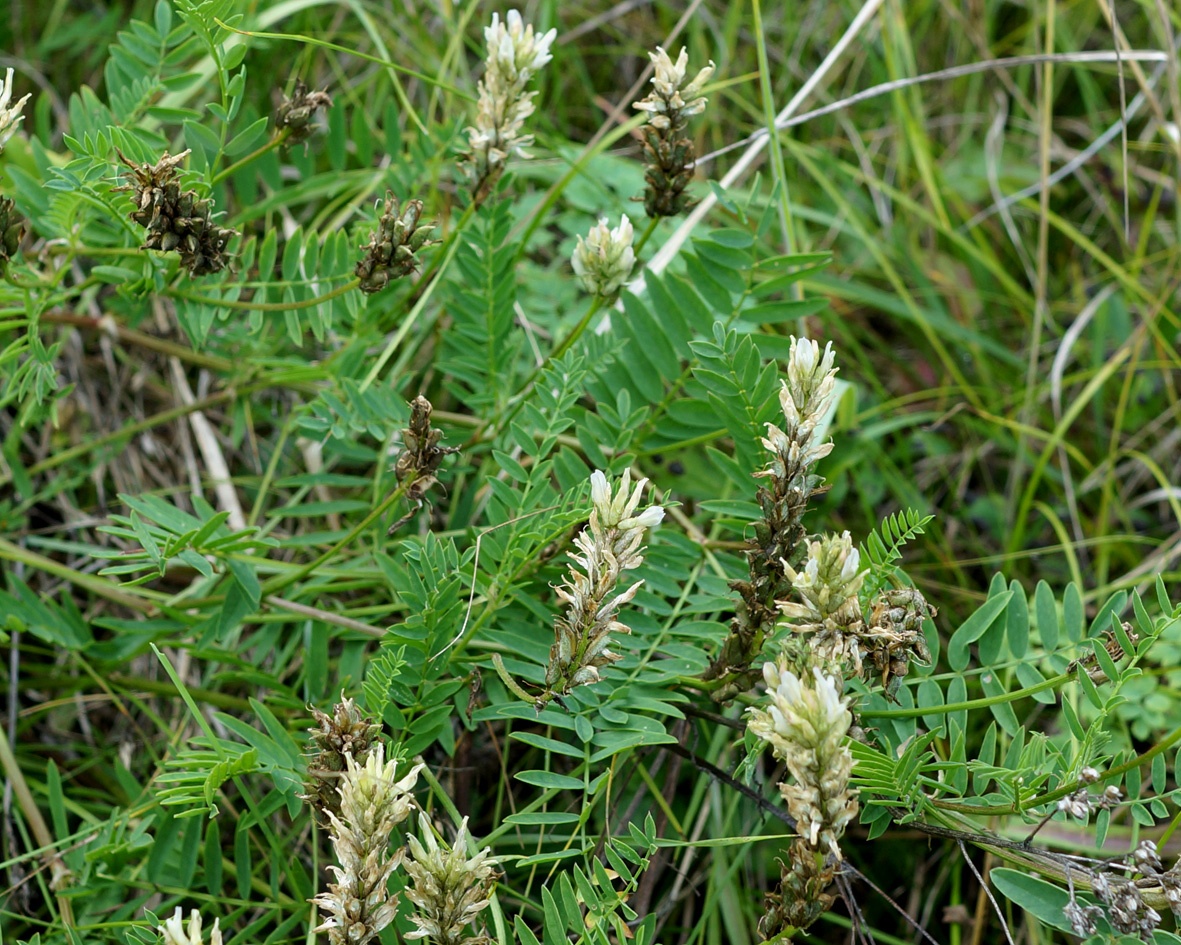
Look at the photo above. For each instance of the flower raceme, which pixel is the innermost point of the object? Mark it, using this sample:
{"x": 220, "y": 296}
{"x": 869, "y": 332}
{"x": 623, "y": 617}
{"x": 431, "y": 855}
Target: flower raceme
{"x": 839, "y": 634}
{"x": 805, "y": 397}
{"x": 515, "y": 54}
{"x": 346, "y": 734}
{"x": 373, "y": 800}
{"x": 603, "y": 261}
{"x": 449, "y": 888}
{"x": 671, "y": 156}
{"x": 789, "y": 482}
{"x": 805, "y": 724}
{"x": 610, "y": 544}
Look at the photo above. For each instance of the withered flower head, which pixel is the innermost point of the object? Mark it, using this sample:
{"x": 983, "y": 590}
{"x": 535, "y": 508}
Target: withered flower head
{"x": 390, "y": 252}
{"x": 805, "y": 892}
{"x": 175, "y": 219}
{"x": 1115, "y": 650}
{"x": 12, "y": 228}
{"x": 296, "y": 113}
{"x": 894, "y": 633}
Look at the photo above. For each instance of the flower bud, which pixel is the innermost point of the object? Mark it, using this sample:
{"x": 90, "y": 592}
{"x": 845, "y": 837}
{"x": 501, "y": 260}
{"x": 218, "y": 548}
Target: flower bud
{"x": 604, "y": 260}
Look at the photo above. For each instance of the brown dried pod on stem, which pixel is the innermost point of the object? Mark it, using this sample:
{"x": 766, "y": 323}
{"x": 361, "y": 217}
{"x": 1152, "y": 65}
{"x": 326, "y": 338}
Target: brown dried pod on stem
{"x": 295, "y": 115}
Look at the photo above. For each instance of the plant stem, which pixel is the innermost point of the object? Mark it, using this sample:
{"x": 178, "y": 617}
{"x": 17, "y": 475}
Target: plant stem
{"x": 563, "y": 346}
{"x": 566, "y": 343}
{"x": 280, "y": 581}
{"x": 648, "y": 231}
{"x": 251, "y": 306}
{"x": 1161, "y": 746}
{"x": 13, "y": 280}
{"x": 59, "y": 250}
{"x": 277, "y": 140}
{"x": 140, "y": 339}
{"x": 963, "y": 706}
{"x": 37, "y": 824}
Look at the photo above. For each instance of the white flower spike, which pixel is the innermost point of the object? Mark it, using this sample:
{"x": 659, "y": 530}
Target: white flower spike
{"x": 805, "y": 723}
{"x": 515, "y": 54}
{"x": 611, "y": 544}
{"x": 10, "y": 118}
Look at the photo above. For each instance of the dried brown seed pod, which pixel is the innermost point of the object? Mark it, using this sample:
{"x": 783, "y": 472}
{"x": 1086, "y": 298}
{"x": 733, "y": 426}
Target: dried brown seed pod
{"x": 12, "y": 229}
{"x": 175, "y": 220}
{"x": 390, "y": 252}
{"x": 347, "y": 731}
{"x": 296, "y": 113}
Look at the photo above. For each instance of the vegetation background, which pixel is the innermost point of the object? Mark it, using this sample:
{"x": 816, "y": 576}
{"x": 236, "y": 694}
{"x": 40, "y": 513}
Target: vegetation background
{"x": 1001, "y": 289}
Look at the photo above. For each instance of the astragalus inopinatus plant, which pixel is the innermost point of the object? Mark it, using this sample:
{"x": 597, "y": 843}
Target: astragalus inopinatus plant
{"x": 279, "y": 422}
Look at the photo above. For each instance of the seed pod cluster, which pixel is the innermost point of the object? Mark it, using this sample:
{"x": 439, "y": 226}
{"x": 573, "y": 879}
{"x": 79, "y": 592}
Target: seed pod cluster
{"x": 805, "y": 892}
{"x": 668, "y": 172}
{"x": 894, "y": 633}
{"x": 296, "y": 113}
{"x": 390, "y": 252}
{"x": 176, "y": 220}
{"x": 420, "y": 460}
{"x": 348, "y": 731}
{"x": 12, "y": 228}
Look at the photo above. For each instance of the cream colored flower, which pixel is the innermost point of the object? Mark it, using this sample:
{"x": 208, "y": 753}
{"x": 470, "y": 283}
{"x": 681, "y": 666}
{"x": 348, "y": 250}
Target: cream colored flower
{"x": 604, "y": 260}
{"x": 515, "y": 54}
{"x": 10, "y": 118}
{"x": 618, "y": 510}
{"x": 805, "y": 724}
{"x": 449, "y": 888}
{"x": 514, "y": 50}
{"x": 611, "y": 544}
{"x": 829, "y": 582}
{"x": 173, "y": 930}
{"x": 805, "y": 397}
{"x": 811, "y": 379}
{"x": 373, "y": 800}
{"x": 672, "y": 99}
